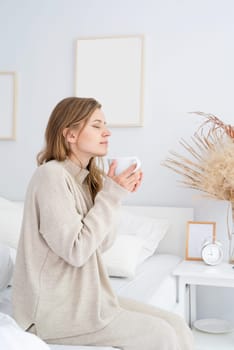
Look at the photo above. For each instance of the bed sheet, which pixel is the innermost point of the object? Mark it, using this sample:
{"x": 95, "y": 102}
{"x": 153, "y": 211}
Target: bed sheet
{"x": 153, "y": 283}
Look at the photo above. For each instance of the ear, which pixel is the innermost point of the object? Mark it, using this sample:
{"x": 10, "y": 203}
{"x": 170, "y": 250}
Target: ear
{"x": 70, "y": 135}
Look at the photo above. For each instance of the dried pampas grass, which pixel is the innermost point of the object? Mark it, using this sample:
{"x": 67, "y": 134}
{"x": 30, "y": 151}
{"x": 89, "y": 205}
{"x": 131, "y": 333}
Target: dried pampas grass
{"x": 209, "y": 168}
{"x": 210, "y": 165}
{"x": 212, "y": 170}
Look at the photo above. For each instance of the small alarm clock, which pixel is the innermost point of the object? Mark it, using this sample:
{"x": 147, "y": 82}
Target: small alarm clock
{"x": 212, "y": 253}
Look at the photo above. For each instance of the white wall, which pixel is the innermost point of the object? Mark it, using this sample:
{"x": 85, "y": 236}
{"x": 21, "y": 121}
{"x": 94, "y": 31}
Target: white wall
{"x": 188, "y": 67}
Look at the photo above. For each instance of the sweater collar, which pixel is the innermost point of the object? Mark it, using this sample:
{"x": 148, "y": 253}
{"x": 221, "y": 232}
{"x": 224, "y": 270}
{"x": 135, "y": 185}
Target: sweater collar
{"x": 76, "y": 170}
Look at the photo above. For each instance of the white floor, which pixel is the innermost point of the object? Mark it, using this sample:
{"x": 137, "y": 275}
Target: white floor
{"x": 205, "y": 341}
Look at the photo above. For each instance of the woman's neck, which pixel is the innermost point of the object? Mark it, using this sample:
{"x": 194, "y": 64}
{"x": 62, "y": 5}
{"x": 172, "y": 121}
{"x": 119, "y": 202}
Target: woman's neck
{"x": 83, "y": 163}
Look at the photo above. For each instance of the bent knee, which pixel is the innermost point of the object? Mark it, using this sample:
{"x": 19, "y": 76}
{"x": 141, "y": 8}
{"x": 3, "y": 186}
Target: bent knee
{"x": 164, "y": 337}
{"x": 184, "y": 333}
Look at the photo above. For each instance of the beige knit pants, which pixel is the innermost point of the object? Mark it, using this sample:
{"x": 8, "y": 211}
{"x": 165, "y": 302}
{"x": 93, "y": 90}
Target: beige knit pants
{"x": 138, "y": 327}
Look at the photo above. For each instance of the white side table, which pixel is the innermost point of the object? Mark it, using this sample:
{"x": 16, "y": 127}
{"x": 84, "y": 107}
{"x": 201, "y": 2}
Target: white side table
{"x": 189, "y": 274}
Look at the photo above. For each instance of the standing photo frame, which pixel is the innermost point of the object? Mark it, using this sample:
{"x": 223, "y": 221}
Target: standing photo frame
{"x": 8, "y": 105}
{"x": 110, "y": 69}
{"x": 198, "y": 232}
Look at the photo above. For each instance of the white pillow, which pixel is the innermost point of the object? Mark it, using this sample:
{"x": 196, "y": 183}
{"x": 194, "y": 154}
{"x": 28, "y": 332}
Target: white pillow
{"x": 10, "y": 223}
{"x": 6, "y": 266}
{"x": 13, "y": 337}
{"x": 122, "y": 258}
{"x": 5, "y": 203}
{"x": 150, "y": 230}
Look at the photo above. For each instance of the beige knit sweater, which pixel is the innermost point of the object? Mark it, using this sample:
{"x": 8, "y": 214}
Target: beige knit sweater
{"x": 60, "y": 283}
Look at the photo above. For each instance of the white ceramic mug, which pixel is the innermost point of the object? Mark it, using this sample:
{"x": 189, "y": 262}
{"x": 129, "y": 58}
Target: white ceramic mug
{"x": 124, "y": 162}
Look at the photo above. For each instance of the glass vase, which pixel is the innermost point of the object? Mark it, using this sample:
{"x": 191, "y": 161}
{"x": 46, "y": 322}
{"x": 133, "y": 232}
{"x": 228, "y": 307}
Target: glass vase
{"x": 231, "y": 249}
{"x": 231, "y": 236}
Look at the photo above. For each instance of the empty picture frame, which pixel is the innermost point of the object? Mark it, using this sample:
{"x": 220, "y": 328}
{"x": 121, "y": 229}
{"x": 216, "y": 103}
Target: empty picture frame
{"x": 110, "y": 69}
{"x": 198, "y": 232}
{"x": 7, "y": 105}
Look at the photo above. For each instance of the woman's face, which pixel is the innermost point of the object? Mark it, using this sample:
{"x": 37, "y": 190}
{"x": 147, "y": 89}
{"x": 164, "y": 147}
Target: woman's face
{"x": 92, "y": 140}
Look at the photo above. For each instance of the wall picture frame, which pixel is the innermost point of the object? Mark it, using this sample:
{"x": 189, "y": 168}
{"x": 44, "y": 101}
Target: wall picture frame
{"x": 8, "y": 91}
{"x": 111, "y": 70}
{"x": 197, "y": 233}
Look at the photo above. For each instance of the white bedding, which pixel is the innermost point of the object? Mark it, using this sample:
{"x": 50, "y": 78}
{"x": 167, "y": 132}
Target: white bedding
{"x": 153, "y": 284}
{"x": 13, "y": 338}
{"x": 152, "y": 277}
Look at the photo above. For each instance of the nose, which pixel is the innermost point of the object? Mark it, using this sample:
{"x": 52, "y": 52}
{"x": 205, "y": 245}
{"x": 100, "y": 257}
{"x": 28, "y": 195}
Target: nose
{"x": 106, "y": 132}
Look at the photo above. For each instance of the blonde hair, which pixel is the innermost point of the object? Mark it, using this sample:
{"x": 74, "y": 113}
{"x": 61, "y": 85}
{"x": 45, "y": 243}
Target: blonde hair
{"x": 69, "y": 113}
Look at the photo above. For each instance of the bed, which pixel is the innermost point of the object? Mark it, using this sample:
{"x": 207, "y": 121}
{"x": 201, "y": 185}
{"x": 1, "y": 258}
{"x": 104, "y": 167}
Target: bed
{"x": 150, "y": 243}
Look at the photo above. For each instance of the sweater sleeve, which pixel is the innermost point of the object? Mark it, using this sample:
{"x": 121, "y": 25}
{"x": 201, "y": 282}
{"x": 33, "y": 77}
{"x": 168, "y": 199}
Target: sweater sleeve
{"x": 68, "y": 233}
{"x": 111, "y": 237}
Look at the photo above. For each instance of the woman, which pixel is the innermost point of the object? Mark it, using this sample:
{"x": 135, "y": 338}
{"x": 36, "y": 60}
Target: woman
{"x": 61, "y": 289}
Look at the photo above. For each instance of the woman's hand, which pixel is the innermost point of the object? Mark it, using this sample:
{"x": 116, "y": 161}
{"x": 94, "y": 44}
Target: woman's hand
{"x": 128, "y": 179}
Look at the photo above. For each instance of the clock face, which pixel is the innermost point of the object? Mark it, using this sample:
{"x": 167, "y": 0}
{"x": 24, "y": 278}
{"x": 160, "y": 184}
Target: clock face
{"x": 212, "y": 254}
